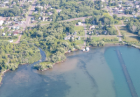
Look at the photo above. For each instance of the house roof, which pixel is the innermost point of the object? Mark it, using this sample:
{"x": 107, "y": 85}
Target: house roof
{"x": 15, "y": 32}
{"x": 1, "y": 18}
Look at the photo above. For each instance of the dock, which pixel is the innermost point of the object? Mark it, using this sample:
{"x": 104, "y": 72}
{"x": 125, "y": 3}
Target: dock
{"x": 127, "y": 76}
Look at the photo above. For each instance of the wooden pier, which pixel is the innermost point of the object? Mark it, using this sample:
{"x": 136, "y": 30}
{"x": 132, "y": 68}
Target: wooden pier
{"x": 126, "y": 74}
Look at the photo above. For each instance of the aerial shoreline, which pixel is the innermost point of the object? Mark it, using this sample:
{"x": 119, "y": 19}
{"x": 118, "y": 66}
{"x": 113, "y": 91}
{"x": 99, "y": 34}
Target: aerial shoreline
{"x": 106, "y": 45}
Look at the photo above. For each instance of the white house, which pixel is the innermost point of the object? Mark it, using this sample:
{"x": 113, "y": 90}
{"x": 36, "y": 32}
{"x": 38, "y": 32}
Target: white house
{"x": 3, "y": 34}
{"x": 58, "y": 10}
{"x": 92, "y": 27}
{"x": 10, "y": 41}
{"x": 103, "y": 0}
{"x": 1, "y": 27}
{"x": 5, "y": 2}
{"x": 137, "y": 6}
{"x": 78, "y": 38}
{"x": 120, "y": 5}
{"x": 1, "y": 21}
{"x": 79, "y": 23}
{"x": 41, "y": 7}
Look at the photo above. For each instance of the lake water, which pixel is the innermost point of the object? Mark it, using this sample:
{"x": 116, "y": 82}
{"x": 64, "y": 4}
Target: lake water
{"x": 96, "y": 73}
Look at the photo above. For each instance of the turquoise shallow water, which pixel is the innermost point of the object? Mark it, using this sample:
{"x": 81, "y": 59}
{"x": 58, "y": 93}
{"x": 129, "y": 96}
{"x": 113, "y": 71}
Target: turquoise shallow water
{"x": 96, "y": 73}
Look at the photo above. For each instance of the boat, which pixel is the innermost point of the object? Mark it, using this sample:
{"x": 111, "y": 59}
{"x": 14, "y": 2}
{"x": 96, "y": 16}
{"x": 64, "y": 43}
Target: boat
{"x": 87, "y": 48}
{"x": 83, "y": 50}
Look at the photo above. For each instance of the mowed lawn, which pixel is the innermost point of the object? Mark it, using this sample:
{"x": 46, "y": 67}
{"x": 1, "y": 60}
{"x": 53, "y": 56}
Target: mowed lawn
{"x": 132, "y": 39}
{"x": 124, "y": 30}
{"x": 107, "y": 39}
{"x": 79, "y": 30}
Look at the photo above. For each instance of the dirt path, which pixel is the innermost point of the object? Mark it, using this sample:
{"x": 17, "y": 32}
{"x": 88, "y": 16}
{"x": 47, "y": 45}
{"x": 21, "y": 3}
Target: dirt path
{"x": 120, "y": 39}
{"x": 18, "y": 40}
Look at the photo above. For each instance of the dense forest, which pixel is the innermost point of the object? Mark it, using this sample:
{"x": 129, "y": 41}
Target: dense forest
{"x": 11, "y": 55}
{"x": 10, "y": 12}
{"x": 134, "y": 25}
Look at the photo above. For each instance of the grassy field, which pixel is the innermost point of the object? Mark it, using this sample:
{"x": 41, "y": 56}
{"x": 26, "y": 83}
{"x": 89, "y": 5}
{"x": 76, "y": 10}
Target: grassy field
{"x": 79, "y": 42}
{"x": 123, "y": 30}
{"x": 79, "y": 30}
{"x": 107, "y": 39}
{"x": 119, "y": 23}
{"x": 132, "y": 39}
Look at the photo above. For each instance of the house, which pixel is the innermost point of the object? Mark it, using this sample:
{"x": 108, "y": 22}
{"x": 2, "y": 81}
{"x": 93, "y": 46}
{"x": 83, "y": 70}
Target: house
{"x": 39, "y": 18}
{"x": 103, "y": 0}
{"x": 119, "y": 5}
{"x": 32, "y": 19}
{"x": 92, "y": 27}
{"x": 79, "y": 23}
{"x": 105, "y": 32}
{"x": 90, "y": 32}
{"x": 137, "y": 2}
{"x": 68, "y": 38}
{"x": 1, "y": 21}
{"x": 65, "y": 38}
{"x": 3, "y": 34}
{"x": 134, "y": 17}
{"x": 74, "y": 33}
{"x": 9, "y": 34}
{"x": 133, "y": 12}
{"x": 41, "y": 7}
{"x": 49, "y": 13}
{"x": 30, "y": 1}
{"x": 15, "y": 33}
{"x": 126, "y": 20}
{"x": 10, "y": 41}
{"x": 24, "y": 0}
{"x": 14, "y": 3}
{"x": 120, "y": 11}
{"x": 72, "y": 37}
{"x": 43, "y": 18}
{"x": 1, "y": 27}
{"x": 13, "y": 27}
{"x": 2, "y": 5}
{"x": 36, "y": 12}
{"x": 67, "y": 34}
{"x": 79, "y": 38}
{"x": 58, "y": 10}
{"x": 5, "y": 2}
{"x": 137, "y": 6}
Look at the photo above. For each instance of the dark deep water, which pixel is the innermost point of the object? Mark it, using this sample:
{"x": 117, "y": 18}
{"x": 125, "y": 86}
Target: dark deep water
{"x": 96, "y": 73}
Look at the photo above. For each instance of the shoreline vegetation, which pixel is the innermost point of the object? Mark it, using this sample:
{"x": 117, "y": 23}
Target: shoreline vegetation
{"x": 13, "y": 55}
{"x": 48, "y": 65}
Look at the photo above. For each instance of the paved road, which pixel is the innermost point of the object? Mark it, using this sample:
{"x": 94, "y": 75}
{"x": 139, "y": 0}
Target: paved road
{"x": 80, "y": 18}
{"x": 28, "y": 17}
